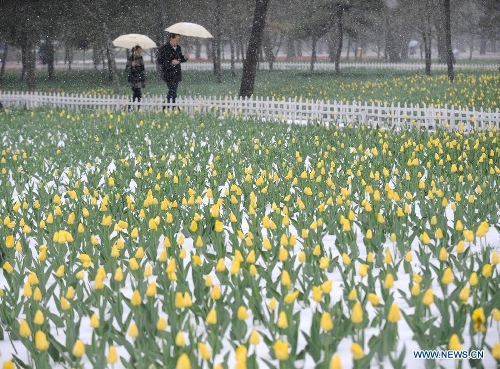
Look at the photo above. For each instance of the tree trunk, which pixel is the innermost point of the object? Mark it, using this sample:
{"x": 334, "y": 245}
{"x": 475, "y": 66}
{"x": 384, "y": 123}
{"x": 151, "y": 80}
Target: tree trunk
{"x": 250, "y": 63}
{"x": 233, "y": 58}
{"x": 113, "y": 72}
{"x": 427, "y": 38}
{"x": 197, "y": 49}
{"x": 331, "y": 47}
{"x": 482, "y": 45}
{"x": 96, "y": 57}
{"x": 218, "y": 41}
{"x": 23, "y": 59}
{"x": 449, "y": 49}
{"x": 69, "y": 55}
{"x": 49, "y": 54}
{"x": 439, "y": 24}
{"x": 242, "y": 47}
{"x": 209, "y": 48}
{"x": 268, "y": 51}
{"x": 299, "y": 48}
{"x": 348, "y": 47}
{"x": 404, "y": 49}
{"x": 30, "y": 63}
{"x": 4, "y": 61}
{"x": 391, "y": 47}
{"x": 471, "y": 46}
{"x": 340, "y": 37}
{"x": 314, "y": 42}
{"x": 290, "y": 48}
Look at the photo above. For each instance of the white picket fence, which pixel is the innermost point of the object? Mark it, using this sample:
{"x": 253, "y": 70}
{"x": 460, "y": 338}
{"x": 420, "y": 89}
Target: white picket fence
{"x": 269, "y": 109}
{"x": 322, "y": 66}
{"x": 299, "y": 65}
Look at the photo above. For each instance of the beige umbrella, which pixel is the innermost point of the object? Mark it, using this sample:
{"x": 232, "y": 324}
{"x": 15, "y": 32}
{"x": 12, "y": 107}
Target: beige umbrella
{"x": 189, "y": 29}
{"x": 133, "y": 39}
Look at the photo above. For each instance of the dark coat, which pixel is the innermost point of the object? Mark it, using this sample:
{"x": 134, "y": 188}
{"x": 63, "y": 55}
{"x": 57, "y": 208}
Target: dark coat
{"x": 170, "y": 72}
{"x": 136, "y": 75}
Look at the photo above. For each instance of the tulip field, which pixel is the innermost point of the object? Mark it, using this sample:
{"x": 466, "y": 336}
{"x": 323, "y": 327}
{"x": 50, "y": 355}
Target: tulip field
{"x": 152, "y": 240}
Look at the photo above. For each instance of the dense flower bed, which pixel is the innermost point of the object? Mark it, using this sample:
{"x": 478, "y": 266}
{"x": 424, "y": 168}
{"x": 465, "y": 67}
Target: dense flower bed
{"x": 167, "y": 241}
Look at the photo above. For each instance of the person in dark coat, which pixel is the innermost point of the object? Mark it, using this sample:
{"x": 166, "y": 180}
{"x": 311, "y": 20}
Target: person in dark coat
{"x": 136, "y": 76}
{"x": 170, "y": 57}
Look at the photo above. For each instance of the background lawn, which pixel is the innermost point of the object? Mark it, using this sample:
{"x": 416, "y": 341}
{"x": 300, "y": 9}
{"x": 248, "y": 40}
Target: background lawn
{"x": 471, "y": 88}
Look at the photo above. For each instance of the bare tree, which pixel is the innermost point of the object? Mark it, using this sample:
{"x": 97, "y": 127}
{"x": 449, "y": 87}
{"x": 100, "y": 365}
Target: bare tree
{"x": 426, "y": 31}
{"x": 449, "y": 50}
{"x": 217, "y": 42}
{"x": 254, "y": 44}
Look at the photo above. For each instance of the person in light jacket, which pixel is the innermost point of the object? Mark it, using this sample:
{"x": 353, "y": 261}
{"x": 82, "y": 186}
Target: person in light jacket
{"x": 136, "y": 76}
{"x": 170, "y": 57}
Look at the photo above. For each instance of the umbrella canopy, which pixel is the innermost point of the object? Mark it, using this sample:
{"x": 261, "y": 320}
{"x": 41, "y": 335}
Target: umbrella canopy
{"x": 133, "y": 39}
{"x": 189, "y": 29}
{"x": 413, "y": 43}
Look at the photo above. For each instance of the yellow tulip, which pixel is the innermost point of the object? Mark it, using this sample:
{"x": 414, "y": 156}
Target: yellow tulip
{"x": 326, "y": 287}
{"x": 495, "y": 258}
{"x": 335, "y": 362}
{"x": 387, "y": 257}
{"x": 204, "y": 351}
{"x": 357, "y": 351}
{"x": 133, "y": 331}
{"x": 479, "y": 319}
{"x": 254, "y": 338}
{"x": 443, "y": 254}
{"x": 291, "y": 297}
{"x": 212, "y": 317}
{"x": 468, "y": 235}
{"x": 184, "y": 362}
{"x": 473, "y": 279}
{"x": 357, "y": 313}
{"x": 447, "y": 276}
{"x": 281, "y": 350}
{"x": 7, "y": 267}
{"x": 65, "y": 305}
{"x": 161, "y": 324}
{"x": 374, "y": 299}
{"x": 389, "y": 281}
{"x": 221, "y": 266}
{"x": 94, "y": 321}
{"x": 136, "y": 299}
{"x": 495, "y": 351}
{"x": 285, "y": 279}
{"x": 151, "y": 290}
{"x": 242, "y": 313}
{"x": 326, "y": 322}
{"x": 24, "y": 329}
{"x": 180, "y": 340}
{"x": 454, "y": 343}
{"x": 487, "y": 270}
{"x": 464, "y": 294}
{"x": 496, "y": 314}
{"x": 78, "y": 349}
{"x": 282, "y": 320}
{"x": 394, "y": 313}
{"x": 41, "y": 342}
{"x": 353, "y": 295}
{"x": 428, "y": 298}
{"x": 363, "y": 270}
{"x": 272, "y": 304}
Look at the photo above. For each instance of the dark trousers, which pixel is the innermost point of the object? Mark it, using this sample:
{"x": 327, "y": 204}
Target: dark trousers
{"x": 172, "y": 92}
{"x": 136, "y": 95}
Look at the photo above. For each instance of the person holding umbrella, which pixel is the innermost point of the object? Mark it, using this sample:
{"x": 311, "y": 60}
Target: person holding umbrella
{"x": 136, "y": 77}
{"x": 170, "y": 57}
